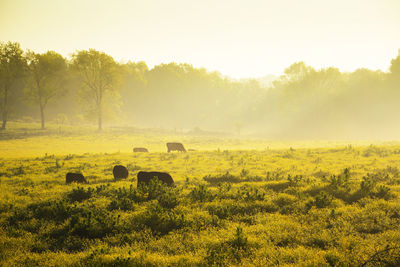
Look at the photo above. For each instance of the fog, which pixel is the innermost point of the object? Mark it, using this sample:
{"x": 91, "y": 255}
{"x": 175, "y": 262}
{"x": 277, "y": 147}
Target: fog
{"x": 304, "y": 103}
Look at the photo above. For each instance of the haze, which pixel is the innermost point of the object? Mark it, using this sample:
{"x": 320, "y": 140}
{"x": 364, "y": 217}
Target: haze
{"x": 237, "y": 38}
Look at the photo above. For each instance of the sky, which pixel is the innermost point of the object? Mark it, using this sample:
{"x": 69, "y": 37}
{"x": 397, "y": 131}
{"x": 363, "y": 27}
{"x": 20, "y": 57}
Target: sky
{"x": 240, "y": 39}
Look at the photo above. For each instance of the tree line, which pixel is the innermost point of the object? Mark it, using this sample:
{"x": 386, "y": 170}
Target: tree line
{"x": 303, "y": 102}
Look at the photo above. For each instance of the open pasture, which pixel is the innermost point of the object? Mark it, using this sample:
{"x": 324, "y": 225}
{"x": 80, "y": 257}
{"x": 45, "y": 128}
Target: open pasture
{"x": 335, "y": 205}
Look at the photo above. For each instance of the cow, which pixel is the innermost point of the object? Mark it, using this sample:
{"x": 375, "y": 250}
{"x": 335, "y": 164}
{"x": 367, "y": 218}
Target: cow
{"x": 75, "y": 177}
{"x": 145, "y": 177}
{"x": 120, "y": 172}
{"x": 140, "y": 149}
{"x": 175, "y": 147}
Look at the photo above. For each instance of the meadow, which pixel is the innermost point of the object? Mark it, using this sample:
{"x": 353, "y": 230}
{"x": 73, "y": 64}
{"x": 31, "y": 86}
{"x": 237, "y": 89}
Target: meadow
{"x": 237, "y": 201}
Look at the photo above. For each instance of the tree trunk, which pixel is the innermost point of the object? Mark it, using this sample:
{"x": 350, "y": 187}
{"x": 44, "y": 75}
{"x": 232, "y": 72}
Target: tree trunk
{"x": 100, "y": 119}
{"x": 3, "y": 126}
{"x": 100, "y": 106}
{"x": 42, "y": 116}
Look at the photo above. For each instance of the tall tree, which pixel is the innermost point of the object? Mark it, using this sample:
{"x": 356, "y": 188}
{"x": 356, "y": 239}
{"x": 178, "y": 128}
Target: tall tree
{"x": 12, "y": 70}
{"x": 100, "y": 78}
{"x": 48, "y": 75}
{"x": 394, "y": 75}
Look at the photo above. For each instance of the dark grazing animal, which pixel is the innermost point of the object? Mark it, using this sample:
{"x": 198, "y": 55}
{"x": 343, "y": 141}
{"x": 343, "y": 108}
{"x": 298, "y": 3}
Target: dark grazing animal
{"x": 75, "y": 177}
{"x": 175, "y": 147}
{"x": 140, "y": 149}
{"x": 120, "y": 172}
{"x": 145, "y": 177}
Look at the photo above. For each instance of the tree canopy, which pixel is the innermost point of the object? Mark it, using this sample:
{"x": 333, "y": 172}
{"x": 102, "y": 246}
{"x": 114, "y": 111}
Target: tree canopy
{"x": 47, "y": 78}
{"x": 304, "y": 102}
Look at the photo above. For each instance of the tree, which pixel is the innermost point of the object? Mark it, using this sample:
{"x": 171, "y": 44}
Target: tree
{"x": 100, "y": 78}
{"x": 394, "y": 76}
{"x": 395, "y": 65}
{"x": 48, "y": 75}
{"x": 12, "y": 71}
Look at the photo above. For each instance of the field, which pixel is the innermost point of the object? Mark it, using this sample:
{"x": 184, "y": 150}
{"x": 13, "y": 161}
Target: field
{"x": 237, "y": 201}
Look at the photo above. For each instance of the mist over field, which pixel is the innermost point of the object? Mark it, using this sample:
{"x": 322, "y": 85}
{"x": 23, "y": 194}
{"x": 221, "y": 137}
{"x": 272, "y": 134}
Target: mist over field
{"x": 303, "y": 103}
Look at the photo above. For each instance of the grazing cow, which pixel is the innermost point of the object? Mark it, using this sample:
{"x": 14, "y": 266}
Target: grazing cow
{"x": 75, "y": 177}
{"x": 145, "y": 177}
{"x": 120, "y": 172}
{"x": 175, "y": 147}
{"x": 140, "y": 149}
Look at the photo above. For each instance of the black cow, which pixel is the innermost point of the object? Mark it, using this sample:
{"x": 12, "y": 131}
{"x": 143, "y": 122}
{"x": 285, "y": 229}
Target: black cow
{"x": 140, "y": 149}
{"x": 75, "y": 177}
{"x": 145, "y": 177}
{"x": 175, "y": 147}
{"x": 120, "y": 172}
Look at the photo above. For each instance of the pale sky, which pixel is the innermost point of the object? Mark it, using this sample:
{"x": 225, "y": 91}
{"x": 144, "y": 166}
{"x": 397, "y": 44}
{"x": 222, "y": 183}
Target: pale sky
{"x": 248, "y": 38}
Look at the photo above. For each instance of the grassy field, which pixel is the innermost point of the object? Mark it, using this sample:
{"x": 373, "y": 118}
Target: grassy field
{"x": 237, "y": 201}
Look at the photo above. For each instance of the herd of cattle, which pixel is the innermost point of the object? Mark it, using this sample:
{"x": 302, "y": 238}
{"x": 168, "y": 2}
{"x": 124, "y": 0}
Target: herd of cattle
{"x": 121, "y": 172}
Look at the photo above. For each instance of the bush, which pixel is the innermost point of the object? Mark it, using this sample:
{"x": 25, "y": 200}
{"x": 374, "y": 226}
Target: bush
{"x": 162, "y": 221}
{"x": 224, "y": 178}
{"x": 92, "y": 223}
{"x": 323, "y": 200}
{"x": 124, "y": 204}
{"x": 222, "y": 211}
{"x": 153, "y": 189}
{"x": 80, "y": 194}
{"x": 18, "y": 171}
{"x": 51, "y": 210}
{"x": 339, "y": 182}
{"x": 367, "y": 185}
{"x": 382, "y": 192}
{"x": 240, "y": 240}
{"x": 229, "y": 252}
{"x": 251, "y": 193}
{"x": 201, "y": 193}
{"x": 295, "y": 180}
{"x": 169, "y": 199}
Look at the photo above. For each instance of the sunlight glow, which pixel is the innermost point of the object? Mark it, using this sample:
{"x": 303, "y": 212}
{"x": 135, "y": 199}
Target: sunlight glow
{"x": 238, "y": 38}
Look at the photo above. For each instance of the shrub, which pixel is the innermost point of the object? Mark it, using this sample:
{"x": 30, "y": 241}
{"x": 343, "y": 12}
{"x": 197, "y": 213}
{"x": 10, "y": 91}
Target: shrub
{"x": 153, "y": 189}
{"x": 162, "y": 221}
{"x": 323, "y": 200}
{"x": 124, "y": 204}
{"x": 222, "y": 211}
{"x": 388, "y": 256}
{"x": 92, "y": 223}
{"x": 51, "y": 210}
{"x": 367, "y": 185}
{"x": 18, "y": 171}
{"x": 224, "y": 178}
{"x": 240, "y": 240}
{"x": 251, "y": 193}
{"x": 382, "y": 192}
{"x": 244, "y": 173}
{"x": 224, "y": 191}
{"x": 80, "y": 194}
{"x": 339, "y": 181}
{"x": 218, "y": 255}
{"x": 169, "y": 199}
{"x": 253, "y": 179}
{"x": 201, "y": 193}
{"x": 229, "y": 252}
{"x": 295, "y": 180}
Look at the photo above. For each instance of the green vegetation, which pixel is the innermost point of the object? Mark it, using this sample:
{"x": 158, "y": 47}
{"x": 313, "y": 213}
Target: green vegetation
{"x": 304, "y": 103}
{"x": 334, "y": 206}
{"x": 238, "y": 200}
